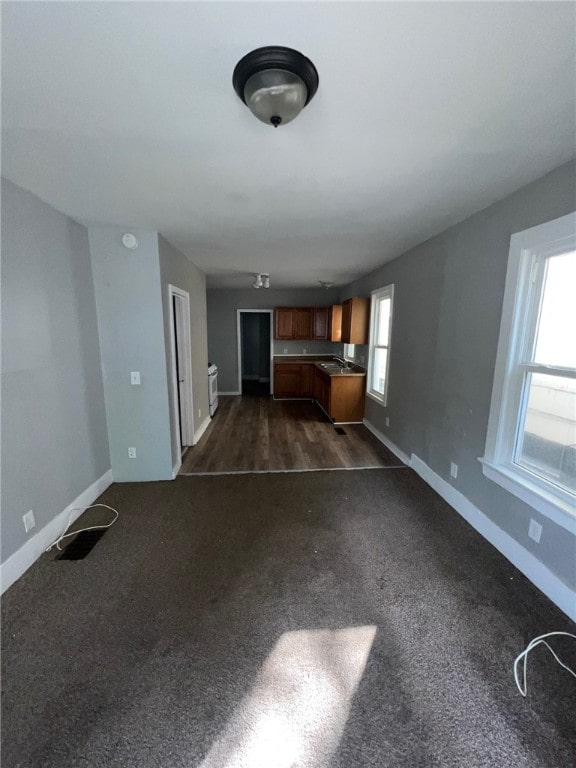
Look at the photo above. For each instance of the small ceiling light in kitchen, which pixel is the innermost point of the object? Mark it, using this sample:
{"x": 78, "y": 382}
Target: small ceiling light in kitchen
{"x": 261, "y": 281}
{"x": 326, "y": 284}
{"x": 275, "y": 83}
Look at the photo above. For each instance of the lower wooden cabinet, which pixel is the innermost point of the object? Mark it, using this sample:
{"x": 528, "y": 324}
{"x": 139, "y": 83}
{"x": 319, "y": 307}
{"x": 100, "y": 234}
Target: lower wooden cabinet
{"x": 293, "y": 380}
{"x": 341, "y": 397}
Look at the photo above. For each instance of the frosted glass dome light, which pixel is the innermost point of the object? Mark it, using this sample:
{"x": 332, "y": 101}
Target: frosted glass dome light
{"x": 275, "y": 83}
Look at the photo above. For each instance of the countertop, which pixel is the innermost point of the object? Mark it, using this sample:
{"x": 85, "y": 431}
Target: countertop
{"x": 354, "y": 370}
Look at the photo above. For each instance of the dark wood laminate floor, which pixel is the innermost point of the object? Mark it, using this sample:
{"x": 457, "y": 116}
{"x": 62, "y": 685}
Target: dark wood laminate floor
{"x": 252, "y": 434}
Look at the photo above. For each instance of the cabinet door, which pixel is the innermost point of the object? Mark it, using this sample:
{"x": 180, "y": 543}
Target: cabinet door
{"x": 335, "y": 323}
{"x": 355, "y": 314}
{"x": 303, "y": 323}
{"x": 320, "y": 322}
{"x": 306, "y": 379}
{"x": 284, "y": 323}
{"x": 287, "y": 380}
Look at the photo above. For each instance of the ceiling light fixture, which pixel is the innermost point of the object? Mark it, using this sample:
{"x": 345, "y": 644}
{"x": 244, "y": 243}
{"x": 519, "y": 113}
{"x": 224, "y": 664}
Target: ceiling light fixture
{"x": 261, "y": 281}
{"x": 326, "y": 284}
{"x": 275, "y": 83}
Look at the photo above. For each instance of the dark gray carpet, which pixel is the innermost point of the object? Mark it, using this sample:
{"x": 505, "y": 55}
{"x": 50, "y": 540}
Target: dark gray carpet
{"x": 280, "y": 621}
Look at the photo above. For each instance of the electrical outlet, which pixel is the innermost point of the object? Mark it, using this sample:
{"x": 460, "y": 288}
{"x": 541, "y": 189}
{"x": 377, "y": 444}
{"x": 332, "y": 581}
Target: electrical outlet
{"x": 134, "y": 377}
{"x": 362, "y": 358}
{"x": 131, "y": 453}
{"x": 454, "y": 470}
{"x": 285, "y": 350}
{"x": 303, "y": 350}
{"x": 199, "y": 413}
{"x": 535, "y": 531}
{"x": 387, "y": 421}
{"x": 29, "y": 521}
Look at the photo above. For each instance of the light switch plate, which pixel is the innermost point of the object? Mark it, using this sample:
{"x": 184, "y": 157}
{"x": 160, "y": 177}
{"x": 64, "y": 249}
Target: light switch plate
{"x": 134, "y": 377}
{"x": 535, "y": 531}
{"x": 29, "y": 521}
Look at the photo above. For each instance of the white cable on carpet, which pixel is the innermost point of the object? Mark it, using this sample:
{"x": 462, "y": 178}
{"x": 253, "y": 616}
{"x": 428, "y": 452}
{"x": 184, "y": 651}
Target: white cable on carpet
{"x": 91, "y": 528}
{"x": 531, "y": 645}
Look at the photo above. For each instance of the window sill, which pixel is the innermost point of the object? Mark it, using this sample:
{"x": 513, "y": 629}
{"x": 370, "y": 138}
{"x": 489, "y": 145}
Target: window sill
{"x": 548, "y": 504}
{"x": 376, "y": 399}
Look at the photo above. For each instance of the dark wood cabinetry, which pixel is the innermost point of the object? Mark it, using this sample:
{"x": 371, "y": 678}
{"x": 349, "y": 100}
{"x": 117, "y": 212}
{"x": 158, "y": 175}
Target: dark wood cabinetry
{"x": 286, "y": 380}
{"x": 301, "y": 323}
{"x": 321, "y": 323}
{"x": 293, "y": 380}
{"x": 355, "y": 317}
{"x": 284, "y": 323}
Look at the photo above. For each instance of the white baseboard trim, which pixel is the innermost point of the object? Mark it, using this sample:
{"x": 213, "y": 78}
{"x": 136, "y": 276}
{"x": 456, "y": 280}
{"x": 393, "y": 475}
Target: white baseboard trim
{"x": 387, "y": 442}
{"x": 18, "y": 563}
{"x": 228, "y": 393}
{"x": 546, "y": 581}
{"x": 201, "y": 429}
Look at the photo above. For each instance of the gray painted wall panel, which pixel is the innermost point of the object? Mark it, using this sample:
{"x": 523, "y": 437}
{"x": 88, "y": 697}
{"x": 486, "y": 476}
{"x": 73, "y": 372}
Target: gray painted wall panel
{"x": 54, "y": 439}
{"x": 130, "y": 322}
{"x": 447, "y": 307}
{"x": 177, "y": 270}
{"x": 222, "y": 332}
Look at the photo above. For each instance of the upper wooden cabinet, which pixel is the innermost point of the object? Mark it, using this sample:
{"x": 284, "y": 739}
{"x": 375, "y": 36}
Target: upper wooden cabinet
{"x": 335, "y": 323}
{"x": 355, "y": 316}
{"x": 284, "y": 320}
{"x": 301, "y": 323}
{"x": 321, "y": 322}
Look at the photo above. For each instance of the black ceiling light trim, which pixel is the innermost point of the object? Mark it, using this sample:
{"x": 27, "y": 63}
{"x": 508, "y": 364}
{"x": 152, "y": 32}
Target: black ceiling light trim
{"x": 275, "y": 57}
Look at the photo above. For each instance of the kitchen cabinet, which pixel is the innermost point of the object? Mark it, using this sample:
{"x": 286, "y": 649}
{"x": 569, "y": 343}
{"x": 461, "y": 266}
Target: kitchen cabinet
{"x": 355, "y": 317}
{"x": 287, "y": 379}
{"x": 284, "y": 323}
{"x": 340, "y": 397}
{"x": 335, "y": 322}
{"x": 321, "y": 323}
{"x": 303, "y": 322}
{"x": 293, "y": 380}
{"x": 322, "y": 390}
{"x": 293, "y": 323}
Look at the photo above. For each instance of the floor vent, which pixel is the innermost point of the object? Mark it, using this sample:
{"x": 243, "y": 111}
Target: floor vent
{"x": 340, "y": 430}
{"x": 81, "y": 545}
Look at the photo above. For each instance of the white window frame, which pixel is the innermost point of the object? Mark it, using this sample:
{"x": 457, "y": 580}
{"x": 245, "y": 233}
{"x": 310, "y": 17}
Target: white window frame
{"x": 348, "y": 352}
{"x": 377, "y": 295}
{"x": 524, "y": 281}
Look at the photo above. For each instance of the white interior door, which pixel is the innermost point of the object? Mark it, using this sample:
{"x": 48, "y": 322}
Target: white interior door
{"x": 182, "y": 407}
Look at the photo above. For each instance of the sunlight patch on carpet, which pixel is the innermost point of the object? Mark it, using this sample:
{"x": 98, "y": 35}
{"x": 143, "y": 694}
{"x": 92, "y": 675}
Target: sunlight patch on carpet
{"x": 295, "y": 714}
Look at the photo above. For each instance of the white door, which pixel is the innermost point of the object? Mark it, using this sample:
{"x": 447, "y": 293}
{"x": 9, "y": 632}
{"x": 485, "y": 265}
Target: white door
{"x": 182, "y": 416}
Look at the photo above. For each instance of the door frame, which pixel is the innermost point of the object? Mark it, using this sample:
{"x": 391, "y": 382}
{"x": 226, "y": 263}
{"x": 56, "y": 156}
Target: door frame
{"x": 239, "y": 313}
{"x": 187, "y": 406}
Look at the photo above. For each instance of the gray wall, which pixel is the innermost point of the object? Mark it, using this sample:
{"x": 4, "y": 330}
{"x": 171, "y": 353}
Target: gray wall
{"x": 177, "y": 270}
{"x": 54, "y": 441}
{"x": 131, "y": 327}
{"x": 447, "y": 305}
{"x": 222, "y": 332}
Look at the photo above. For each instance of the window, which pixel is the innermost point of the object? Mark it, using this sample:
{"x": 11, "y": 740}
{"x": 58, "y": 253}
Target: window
{"x": 531, "y": 443}
{"x": 349, "y": 350}
{"x": 379, "y": 351}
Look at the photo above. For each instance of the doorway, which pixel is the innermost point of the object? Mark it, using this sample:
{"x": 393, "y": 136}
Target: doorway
{"x": 182, "y": 406}
{"x": 255, "y": 351}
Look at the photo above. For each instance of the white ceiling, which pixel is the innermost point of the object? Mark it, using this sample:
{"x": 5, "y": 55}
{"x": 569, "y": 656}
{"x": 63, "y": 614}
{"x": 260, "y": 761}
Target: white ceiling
{"x": 124, "y": 113}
